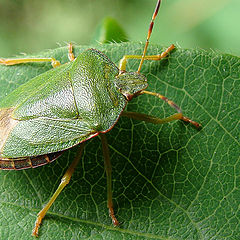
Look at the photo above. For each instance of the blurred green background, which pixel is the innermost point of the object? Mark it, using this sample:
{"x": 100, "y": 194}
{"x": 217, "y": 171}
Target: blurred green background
{"x": 30, "y": 26}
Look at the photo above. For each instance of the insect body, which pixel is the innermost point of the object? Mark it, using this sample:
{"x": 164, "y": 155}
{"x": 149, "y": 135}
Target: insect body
{"x": 67, "y": 106}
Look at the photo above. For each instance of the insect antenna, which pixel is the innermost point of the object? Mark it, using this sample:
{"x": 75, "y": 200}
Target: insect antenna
{"x": 149, "y": 35}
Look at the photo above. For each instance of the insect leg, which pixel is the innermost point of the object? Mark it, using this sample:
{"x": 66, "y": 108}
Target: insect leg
{"x": 108, "y": 168}
{"x": 123, "y": 61}
{"x": 173, "y": 105}
{"x": 151, "y": 119}
{"x": 64, "y": 181}
{"x": 156, "y": 120}
{"x": 54, "y": 62}
{"x": 71, "y": 56}
{"x": 15, "y": 61}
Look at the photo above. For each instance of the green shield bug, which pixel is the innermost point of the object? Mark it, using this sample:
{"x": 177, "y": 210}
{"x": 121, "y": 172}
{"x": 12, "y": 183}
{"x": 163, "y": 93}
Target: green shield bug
{"x": 81, "y": 99}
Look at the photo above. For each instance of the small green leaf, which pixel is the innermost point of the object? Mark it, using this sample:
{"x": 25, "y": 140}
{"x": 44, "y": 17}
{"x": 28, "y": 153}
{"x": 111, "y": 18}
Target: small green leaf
{"x": 109, "y": 31}
{"x": 170, "y": 181}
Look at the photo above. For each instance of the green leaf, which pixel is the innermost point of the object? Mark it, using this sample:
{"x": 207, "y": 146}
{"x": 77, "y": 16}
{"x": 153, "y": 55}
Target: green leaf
{"x": 170, "y": 181}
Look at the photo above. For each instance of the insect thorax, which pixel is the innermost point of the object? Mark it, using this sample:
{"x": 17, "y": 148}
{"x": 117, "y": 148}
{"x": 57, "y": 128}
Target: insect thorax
{"x": 97, "y": 98}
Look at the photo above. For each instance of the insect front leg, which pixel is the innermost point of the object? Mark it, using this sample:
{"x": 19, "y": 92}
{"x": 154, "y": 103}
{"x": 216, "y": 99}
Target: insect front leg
{"x": 123, "y": 61}
{"x": 108, "y": 168}
{"x": 64, "y": 181}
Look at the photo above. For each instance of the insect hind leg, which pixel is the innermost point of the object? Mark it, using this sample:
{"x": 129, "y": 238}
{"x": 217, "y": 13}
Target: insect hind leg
{"x": 108, "y": 169}
{"x": 64, "y": 181}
